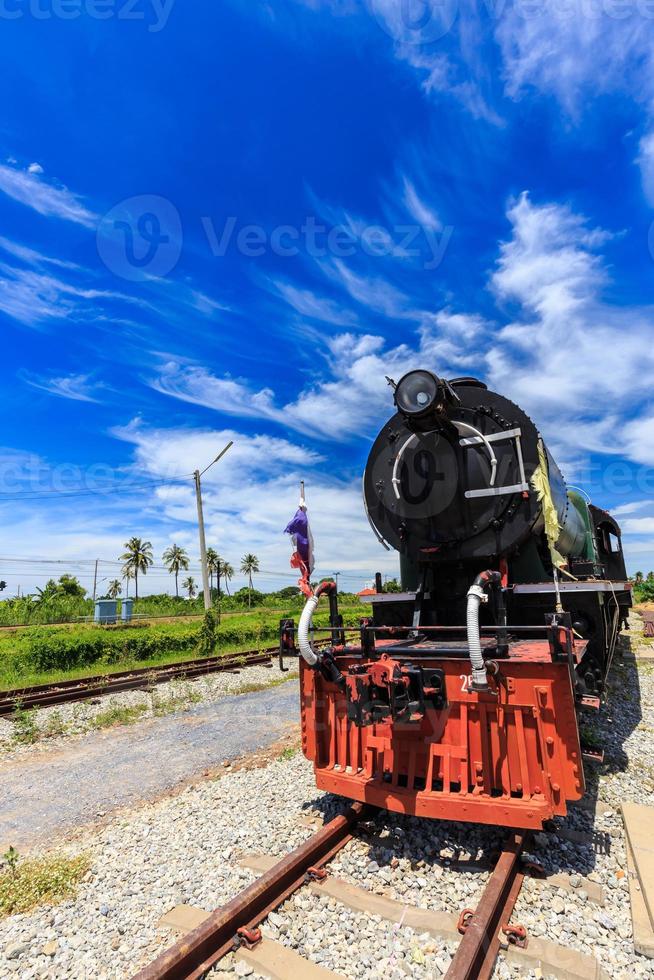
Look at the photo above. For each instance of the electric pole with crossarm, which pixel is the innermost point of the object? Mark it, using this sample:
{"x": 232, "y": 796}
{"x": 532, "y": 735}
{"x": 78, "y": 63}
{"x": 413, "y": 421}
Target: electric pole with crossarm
{"x": 203, "y": 544}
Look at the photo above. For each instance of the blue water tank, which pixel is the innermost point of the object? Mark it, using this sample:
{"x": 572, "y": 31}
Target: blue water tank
{"x": 105, "y": 611}
{"x": 126, "y": 610}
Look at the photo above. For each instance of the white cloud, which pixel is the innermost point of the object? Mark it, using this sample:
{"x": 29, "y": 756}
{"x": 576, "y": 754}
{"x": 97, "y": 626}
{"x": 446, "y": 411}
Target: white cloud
{"x": 194, "y": 384}
{"x": 630, "y": 508}
{"x": 646, "y": 163}
{"x": 77, "y": 387}
{"x": 638, "y": 525}
{"x": 251, "y": 494}
{"x": 373, "y": 292}
{"x": 440, "y": 77}
{"x": 418, "y": 209}
{"x": 572, "y": 50}
{"x": 353, "y": 400}
{"x": 31, "y": 256}
{"x": 576, "y": 51}
{"x": 553, "y": 358}
{"x": 308, "y": 304}
{"x": 27, "y": 187}
{"x": 33, "y": 296}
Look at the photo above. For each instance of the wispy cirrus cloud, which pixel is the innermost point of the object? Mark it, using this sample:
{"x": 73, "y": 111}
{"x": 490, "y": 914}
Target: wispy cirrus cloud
{"x": 32, "y": 257}
{"x": 551, "y": 358}
{"x": 33, "y": 296}
{"x": 418, "y": 208}
{"x": 76, "y": 387}
{"x": 354, "y": 396}
{"x": 308, "y": 303}
{"x": 28, "y": 187}
{"x": 194, "y": 384}
{"x": 373, "y": 292}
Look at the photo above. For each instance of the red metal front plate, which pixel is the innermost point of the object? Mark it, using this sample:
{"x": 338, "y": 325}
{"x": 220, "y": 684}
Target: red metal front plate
{"x": 511, "y": 759}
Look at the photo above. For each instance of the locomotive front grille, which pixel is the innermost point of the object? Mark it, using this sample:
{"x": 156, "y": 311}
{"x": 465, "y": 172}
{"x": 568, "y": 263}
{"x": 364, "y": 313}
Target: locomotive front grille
{"x": 473, "y": 758}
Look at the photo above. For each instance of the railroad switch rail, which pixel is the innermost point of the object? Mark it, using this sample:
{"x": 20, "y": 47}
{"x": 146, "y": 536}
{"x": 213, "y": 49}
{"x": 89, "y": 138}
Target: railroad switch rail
{"x": 83, "y": 688}
{"x": 485, "y": 929}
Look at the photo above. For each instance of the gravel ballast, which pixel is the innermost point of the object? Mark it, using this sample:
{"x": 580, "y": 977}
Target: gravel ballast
{"x": 185, "y": 850}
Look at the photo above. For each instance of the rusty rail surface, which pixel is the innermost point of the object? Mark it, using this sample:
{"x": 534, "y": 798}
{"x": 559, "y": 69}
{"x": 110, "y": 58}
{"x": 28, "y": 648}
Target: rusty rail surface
{"x": 477, "y": 951}
{"x": 44, "y": 695}
{"x": 193, "y": 955}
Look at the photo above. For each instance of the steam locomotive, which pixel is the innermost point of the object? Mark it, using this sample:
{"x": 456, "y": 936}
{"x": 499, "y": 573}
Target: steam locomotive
{"x": 459, "y": 698}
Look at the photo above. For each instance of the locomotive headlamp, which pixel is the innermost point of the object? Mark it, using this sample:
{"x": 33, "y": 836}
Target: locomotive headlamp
{"x": 418, "y": 393}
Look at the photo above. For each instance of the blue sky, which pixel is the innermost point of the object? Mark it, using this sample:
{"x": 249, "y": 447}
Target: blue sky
{"x": 231, "y": 220}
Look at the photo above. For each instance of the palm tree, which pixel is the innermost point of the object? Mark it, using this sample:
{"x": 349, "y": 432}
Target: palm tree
{"x": 128, "y": 574}
{"x": 176, "y": 560}
{"x": 227, "y": 572}
{"x": 137, "y": 558}
{"x": 249, "y": 565}
{"x": 115, "y": 588}
{"x": 213, "y": 567}
{"x": 639, "y": 577}
{"x": 189, "y": 585}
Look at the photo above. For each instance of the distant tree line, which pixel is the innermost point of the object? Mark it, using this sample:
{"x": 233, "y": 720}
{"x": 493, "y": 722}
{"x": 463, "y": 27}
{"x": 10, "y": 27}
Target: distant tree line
{"x": 137, "y": 558}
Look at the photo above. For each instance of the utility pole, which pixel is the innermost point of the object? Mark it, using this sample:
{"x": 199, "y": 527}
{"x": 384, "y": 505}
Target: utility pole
{"x": 336, "y": 574}
{"x": 95, "y": 578}
{"x": 203, "y": 544}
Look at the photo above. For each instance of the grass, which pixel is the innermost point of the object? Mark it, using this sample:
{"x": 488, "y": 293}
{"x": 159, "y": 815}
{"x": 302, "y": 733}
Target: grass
{"x": 37, "y": 881}
{"x": 26, "y": 731}
{"x": 118, "y": 715}
{"x": 259, "y": 630}
{"x": 261, "y": 686}
{"x": 288, "y": 753}
{"x": 178, "y": 701}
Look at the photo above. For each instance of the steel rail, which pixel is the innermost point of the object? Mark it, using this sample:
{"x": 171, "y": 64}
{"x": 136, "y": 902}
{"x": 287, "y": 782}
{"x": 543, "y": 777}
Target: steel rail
{"x": 477, "y": 951}
{"x": 193, "y": 955}
{"x": 82, "y": 688}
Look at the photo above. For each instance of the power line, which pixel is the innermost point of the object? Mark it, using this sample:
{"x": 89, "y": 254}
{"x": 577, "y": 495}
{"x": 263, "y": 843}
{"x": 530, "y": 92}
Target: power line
{"x": 87, "y": 491}
{"x": 85, "y": 566}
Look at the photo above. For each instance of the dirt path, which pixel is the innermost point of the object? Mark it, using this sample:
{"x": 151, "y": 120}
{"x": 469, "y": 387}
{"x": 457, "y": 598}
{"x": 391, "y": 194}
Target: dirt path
{"x": 47, "y": 795}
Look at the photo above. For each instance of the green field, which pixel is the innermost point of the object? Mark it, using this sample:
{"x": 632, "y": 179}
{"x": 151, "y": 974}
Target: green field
{"x": 44, "y": 654}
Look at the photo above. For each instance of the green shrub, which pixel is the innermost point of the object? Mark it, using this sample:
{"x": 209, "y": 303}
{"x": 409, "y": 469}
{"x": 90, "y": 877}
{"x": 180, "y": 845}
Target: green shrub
{"x": 26, "y": 730}
{"x": 644, "y": 591}
{"x": 207, "y": 635}
{"x": 38, "y": 650}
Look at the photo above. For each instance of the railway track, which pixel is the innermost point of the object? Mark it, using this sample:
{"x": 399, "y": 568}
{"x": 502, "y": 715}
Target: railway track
{"x": 83, "y": 688}
{"x": 484, "y": 930}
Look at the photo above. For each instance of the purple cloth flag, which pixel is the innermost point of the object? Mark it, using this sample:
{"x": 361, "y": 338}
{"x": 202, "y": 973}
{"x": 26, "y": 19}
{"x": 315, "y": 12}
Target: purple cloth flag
{"x": 298, "y": 528}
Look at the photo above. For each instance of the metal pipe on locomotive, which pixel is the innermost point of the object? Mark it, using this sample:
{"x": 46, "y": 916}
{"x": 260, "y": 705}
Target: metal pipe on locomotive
{"x": 460, "y": 698}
